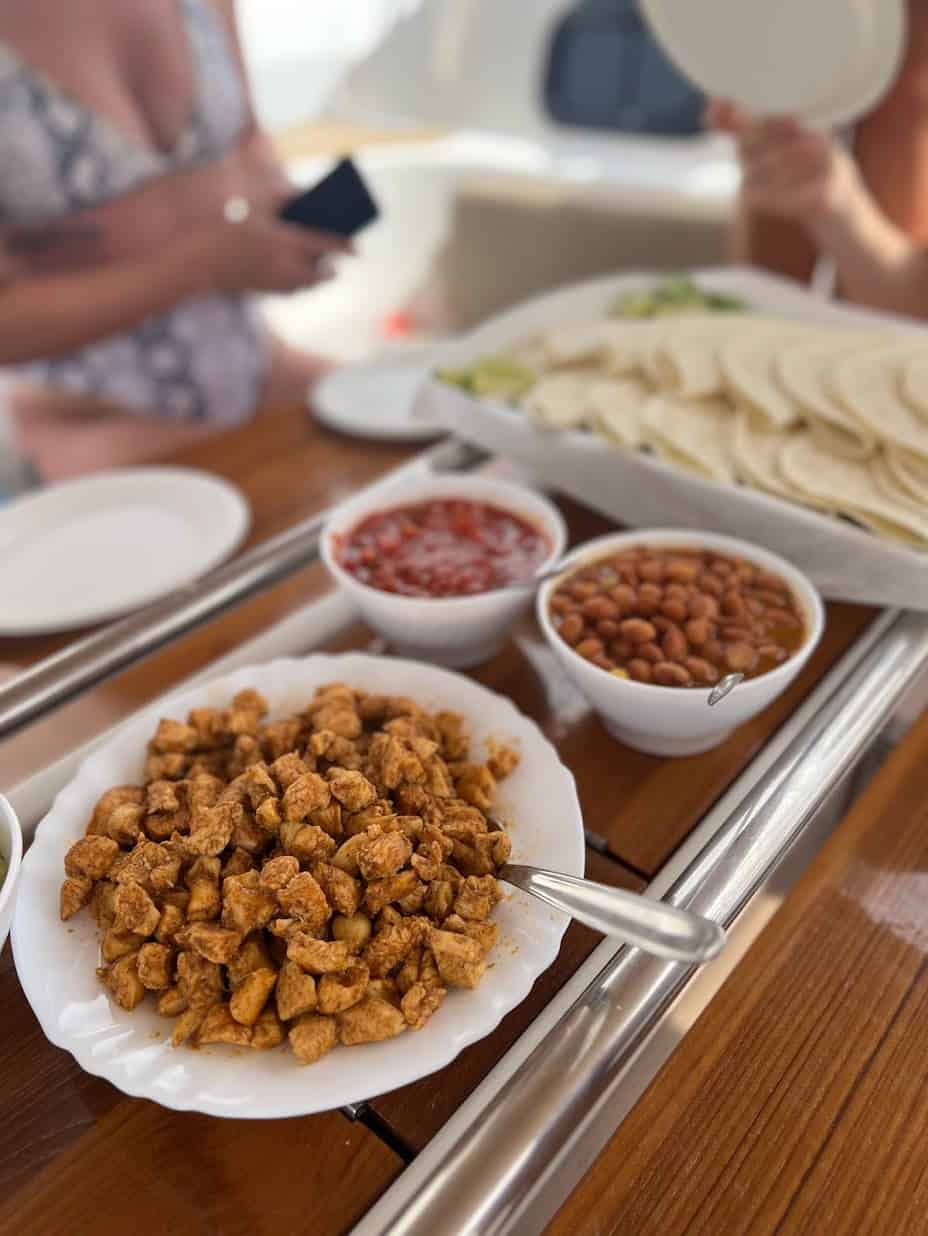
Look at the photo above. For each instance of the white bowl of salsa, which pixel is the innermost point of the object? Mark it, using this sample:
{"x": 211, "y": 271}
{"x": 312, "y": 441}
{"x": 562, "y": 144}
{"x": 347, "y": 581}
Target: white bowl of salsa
{"x": 436, "y": 564}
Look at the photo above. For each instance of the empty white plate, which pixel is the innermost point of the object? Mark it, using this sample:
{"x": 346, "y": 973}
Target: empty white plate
{"x": 97, "y": 547}
{"x": 791, "y": 58}
{"x": 376, "y": 399}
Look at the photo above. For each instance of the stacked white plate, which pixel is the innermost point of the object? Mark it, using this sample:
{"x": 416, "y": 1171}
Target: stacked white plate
{"x": 826, "y": 62}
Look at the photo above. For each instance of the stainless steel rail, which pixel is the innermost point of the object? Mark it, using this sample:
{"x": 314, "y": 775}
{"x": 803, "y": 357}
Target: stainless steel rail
{"x": 99, "y": 656}
{"x": 535, "y": 1139}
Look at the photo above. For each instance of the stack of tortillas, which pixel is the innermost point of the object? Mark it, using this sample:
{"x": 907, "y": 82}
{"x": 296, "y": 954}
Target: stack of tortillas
{"x": 834, "y": 419}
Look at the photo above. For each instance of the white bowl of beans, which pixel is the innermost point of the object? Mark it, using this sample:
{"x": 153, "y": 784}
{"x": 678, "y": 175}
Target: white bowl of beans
{"x": 646, "y": 623}
{"x": 437, "y": 564}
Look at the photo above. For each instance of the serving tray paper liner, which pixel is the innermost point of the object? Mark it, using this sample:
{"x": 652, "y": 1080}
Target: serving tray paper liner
{"x": 846, "y": 563}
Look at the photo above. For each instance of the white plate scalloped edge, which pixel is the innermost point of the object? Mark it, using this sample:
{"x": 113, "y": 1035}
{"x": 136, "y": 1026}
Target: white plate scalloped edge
{"x": 56, "y": 962}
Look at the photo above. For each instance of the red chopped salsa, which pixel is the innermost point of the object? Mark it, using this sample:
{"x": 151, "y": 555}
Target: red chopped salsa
{"x": 443, "y": 548}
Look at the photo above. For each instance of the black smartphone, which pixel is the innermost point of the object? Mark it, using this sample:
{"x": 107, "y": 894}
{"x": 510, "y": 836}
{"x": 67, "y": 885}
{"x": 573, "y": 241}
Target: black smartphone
{"x": 339, "y": 203}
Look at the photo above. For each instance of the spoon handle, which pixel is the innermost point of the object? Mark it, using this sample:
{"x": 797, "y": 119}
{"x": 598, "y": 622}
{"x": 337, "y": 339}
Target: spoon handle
{"x": 652, "y": 925}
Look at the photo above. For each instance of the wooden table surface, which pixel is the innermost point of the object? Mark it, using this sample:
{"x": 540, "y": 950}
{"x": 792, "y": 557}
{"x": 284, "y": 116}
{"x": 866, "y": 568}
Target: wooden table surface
{"x": 75, "y": 1155}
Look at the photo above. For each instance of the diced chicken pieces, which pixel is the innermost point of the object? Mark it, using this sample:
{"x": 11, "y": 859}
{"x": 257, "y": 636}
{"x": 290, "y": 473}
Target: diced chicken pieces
{"x": 219, "y": 1026}
{"x": 268, "y": 816}
{"x": 502, "y": 760}
{"x": 122, "y": 824}
{"x": 203, "y": 791}
{"x": 303, "y": 899}
{"x": 439, "y": 899}
{"x": 169, "y": 924}
{"x": 103, "y": 903}
{"x": 187, "y": 1025}
{"x": 352, "y": 789}
{"x": 452, "y": 735}
{"x": 267, "y": 1032}
{"x": 384, "y": 855}
{"x": 329, "y": 746}
{"x": 172, "y": 736}
{"x": 389, "y": 947}
{"x": 277, "y": 873}
{"x": 251, "y": 956}
{"x": 408, "y": 973}
{"x": 91, "y": 857}
{"x": 392, "y": 763}
{"x": 318, "y": 956}
{"x": 199, "y": 980}
{"x": 135, "y": 910}
{"x": 211, "y": 941}
{"x": 342, "y": 891}
{"x": 376, "y": 813}
{"x": 118, "y": 796}
{"x": 307, "y": 842}
{"x": 161, "y": 797}
{"x": 329, "y": 819}
{"x": 76, "y": 892}
{"x": 486, "y": 934}
{"x": 477, "y": 897}
{"x": 295, "y": 993}
{"x": 372, "y": 1020}
{"x": 156, "y": 966}
{"x": 246, "y": 906}
{"x": 249, "y": 999}
{"x": 211, "y": 828}
{"x": 346, "y": 856}
{"x": 122, "y": 980}
{"x": 381, "y": 893}
{"x": 312, "y": 1038}
{"x": 172, "y": 1003}
{"x": 116, "y": 944}
{"x": 419, "y": 1003}
{"x": 238, "y": 862}
{"x": 475, "y": 784}
{"x": 337, "y": 992}
{"x": 461, "y": 961}
{"x": 307, "y": 793}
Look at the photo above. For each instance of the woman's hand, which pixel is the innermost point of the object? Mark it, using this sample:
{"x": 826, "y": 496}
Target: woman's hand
{"x": 790, "y": 171}
{"x": 263, "y": 254}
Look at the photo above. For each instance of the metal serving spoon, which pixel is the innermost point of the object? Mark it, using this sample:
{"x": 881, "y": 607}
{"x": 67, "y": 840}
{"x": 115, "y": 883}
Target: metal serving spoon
{"x": 652, "y": 925}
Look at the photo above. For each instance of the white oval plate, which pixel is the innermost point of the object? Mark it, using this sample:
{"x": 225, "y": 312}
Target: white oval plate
{"x": 377, "y": 398}
{"x": 785, "y": 59}
{"x": 56, "y": 962}
{"x": 93, "y": 548}
{"x": 869, "y": 80}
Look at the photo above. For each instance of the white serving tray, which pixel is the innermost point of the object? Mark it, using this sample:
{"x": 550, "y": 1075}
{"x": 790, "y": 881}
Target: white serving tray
{"x": 845, "y": 562}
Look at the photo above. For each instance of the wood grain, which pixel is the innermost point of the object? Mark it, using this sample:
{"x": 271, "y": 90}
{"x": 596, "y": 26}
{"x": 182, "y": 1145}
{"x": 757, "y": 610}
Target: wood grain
{"x": 415, "y": 1113}
{"x": 797, "y": 1102}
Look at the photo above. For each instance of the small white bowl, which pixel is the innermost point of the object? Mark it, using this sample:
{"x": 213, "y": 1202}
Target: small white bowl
{"x": 663, "y": 720}
{"x": 11, "y": 847}
{"x": 456, "y": 632}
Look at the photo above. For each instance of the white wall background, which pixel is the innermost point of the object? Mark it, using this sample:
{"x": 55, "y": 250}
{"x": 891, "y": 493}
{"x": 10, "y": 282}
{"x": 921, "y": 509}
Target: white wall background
{"x": 298, "y": 49}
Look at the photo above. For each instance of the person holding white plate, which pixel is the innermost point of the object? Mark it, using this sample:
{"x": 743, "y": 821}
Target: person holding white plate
{"x": 861, "y": 204}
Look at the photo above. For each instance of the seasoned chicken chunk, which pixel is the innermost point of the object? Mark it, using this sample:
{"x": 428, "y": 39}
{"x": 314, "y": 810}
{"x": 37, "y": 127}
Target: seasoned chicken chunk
{"x": 135, "y": 910}
{"x": 91, "y": 857}
{"x": 219, "y": 1026}
{"x": 384, "y": 855}
{"x": 267, "y": 1031}
{"x": 318, "y": 956}
{"x": 312, "y": 1038}
{"x": 248, "y": 1000}
{"x": 116, "y": 944}
{"x": 341, "y": 890}
{"x": 351, "y": 789}
{"x": 211, "y": 828}
{"x": 76, "y": 892}
{"x": 337, "y": 992}
{"x": 370, "y": 1021}
{"x": 460, "y": 960}
{"x": 122, "y": 979}
{"x": 118, "y": 796}
{"x": 302, "y": 898}
{"x": 156, "y": 966}
{"x": 199, "y": 980}
{"x": 277, "y": 873}
{"x": 419, "y": 1003}
{"x": 307, "y": 793}
{"x": 211, "y": 941}
{"x": 295, "y": 993}
{"x": 246, "y": 905}
{"x": 400, "y": 887}
{"x": 252, "y": 955}
{"x": 307, "y": 842}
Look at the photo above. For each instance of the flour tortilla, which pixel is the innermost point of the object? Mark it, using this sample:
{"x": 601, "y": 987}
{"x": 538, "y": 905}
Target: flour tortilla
{"x": 562, "y": 400}
{"x": 696, "y": 437}
{"x": 851, "y": 487}
{"x": 910, "y": 473}
{"x": 914, "y": 384}
{"x": 618, "y": 407}
{"x": 868, "y": 386}
{"x": 747, "y": 364}
{"x": 802, "y": 371}
{"x": 756, "y": 449}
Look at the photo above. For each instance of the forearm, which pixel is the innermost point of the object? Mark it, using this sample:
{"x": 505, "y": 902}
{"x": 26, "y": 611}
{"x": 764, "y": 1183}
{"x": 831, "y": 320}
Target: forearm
{"x": 877, "y": 264}
{"x": 48, "y": 316}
